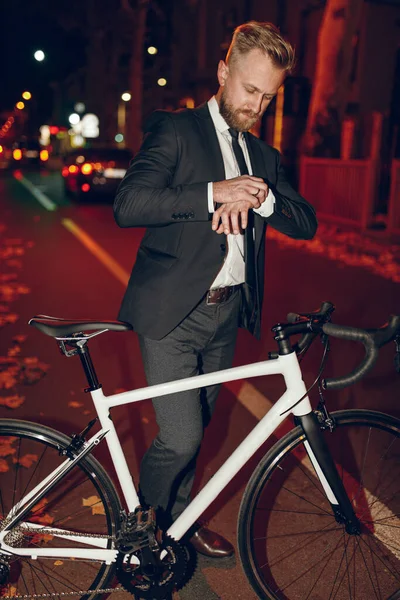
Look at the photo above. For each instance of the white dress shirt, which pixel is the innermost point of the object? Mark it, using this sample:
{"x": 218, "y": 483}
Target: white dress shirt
{"x": 232, "y": 271}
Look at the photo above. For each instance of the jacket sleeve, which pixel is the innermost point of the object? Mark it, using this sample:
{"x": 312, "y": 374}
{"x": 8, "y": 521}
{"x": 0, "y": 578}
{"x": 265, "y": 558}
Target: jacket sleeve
{"x": 292, "y": 215}
{"x": 146, "y": 195}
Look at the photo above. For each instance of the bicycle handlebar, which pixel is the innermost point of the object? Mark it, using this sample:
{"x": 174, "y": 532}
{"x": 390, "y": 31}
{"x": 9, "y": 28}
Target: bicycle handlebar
{"x": 356, "y": 335}
{"x": 311, "y": 324}
{"x": 372, "y": 339}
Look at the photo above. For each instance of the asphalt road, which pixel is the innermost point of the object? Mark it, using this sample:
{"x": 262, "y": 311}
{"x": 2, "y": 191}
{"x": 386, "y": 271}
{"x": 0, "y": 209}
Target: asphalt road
{"x": 72, "y": 261}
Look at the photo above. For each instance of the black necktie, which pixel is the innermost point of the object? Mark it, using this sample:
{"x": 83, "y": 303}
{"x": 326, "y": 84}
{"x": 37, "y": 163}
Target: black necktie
{"x": 249, "y": 256}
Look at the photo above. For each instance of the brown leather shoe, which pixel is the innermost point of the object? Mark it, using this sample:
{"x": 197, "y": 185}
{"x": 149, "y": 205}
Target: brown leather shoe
{"x": 211, "y": 544}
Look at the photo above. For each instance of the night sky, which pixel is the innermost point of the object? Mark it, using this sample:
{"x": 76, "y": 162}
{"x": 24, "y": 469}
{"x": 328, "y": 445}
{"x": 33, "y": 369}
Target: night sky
{"x": 27, "y": 27}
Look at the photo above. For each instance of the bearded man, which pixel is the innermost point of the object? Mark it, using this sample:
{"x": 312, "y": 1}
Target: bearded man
{"x": 205, "y": 189}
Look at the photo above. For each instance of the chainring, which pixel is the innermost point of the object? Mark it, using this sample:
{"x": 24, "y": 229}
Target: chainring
{"x": 169, "y": 574}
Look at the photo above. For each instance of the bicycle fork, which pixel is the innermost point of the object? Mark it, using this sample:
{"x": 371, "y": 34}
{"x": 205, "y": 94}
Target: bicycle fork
{"x": 324, "y": 465}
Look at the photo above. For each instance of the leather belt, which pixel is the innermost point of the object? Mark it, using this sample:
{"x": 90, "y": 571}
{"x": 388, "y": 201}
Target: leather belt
{"x": 220, "y": 295}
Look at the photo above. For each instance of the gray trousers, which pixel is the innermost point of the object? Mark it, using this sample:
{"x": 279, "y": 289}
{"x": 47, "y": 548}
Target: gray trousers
{"x": 202, "y": 343}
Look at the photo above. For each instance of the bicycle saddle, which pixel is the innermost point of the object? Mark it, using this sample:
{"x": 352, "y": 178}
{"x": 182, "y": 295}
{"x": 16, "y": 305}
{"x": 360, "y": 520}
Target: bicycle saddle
{"x": 56, "y": 327}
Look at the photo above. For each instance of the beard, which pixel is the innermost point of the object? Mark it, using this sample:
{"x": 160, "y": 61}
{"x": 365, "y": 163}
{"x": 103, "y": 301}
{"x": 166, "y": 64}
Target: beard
{"x": 236, "y": 118}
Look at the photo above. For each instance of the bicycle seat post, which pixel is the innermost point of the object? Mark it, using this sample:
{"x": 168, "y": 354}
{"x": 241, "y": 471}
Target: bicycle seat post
{"x": 88, "y": 367}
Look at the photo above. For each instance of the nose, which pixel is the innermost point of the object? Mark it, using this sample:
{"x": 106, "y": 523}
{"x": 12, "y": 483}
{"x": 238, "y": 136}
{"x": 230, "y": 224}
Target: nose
{"x": 255, "y": 103}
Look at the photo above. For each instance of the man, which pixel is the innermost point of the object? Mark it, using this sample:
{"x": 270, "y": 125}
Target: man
{"x": 205, "y": 189}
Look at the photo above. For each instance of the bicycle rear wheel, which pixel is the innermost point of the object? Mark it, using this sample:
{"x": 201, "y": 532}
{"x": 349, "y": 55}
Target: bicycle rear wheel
{"x": 84, "y": 502}
{"x": 290, "y": 544}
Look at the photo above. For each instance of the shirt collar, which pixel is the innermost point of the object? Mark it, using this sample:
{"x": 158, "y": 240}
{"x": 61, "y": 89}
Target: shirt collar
{"x": 219, "y": 122}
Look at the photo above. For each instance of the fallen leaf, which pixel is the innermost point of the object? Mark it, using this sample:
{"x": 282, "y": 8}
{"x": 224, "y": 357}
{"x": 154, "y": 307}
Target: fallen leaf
{"x": 6, "y": 449}
{"x": 44, "y": 519}
{"x": 12, "y": 401}
{"x": 27, "y": 460}
{"x": 10, "y": 591}
{"x": 95, "y": 504}
{"x": 74, "y": 404}
{"x": 39, "y": 538}
{"x": 14, "y": 351}
{"x": 40, "y": 506}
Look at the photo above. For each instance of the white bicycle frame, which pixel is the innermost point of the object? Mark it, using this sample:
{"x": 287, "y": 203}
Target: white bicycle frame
{"x": 287, "y": 366}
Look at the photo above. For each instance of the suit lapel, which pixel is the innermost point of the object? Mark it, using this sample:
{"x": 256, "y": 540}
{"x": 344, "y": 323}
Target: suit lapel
{"x": 210, "y": 143}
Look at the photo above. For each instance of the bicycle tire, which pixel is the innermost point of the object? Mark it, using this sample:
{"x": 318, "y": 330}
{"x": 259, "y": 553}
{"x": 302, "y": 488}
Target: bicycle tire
{"x": 290, "y": 545}
{"x": 84, "y": 501}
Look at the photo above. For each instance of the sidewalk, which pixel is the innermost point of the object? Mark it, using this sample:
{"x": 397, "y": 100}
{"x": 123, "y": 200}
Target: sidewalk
{"x": 368, "y": 250}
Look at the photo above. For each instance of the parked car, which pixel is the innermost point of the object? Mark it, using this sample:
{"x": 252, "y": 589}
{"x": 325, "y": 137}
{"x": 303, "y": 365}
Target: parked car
{"x": 94, "y": 172}
{"x": 5, "y": 157}
{"x": 28, "y": 153}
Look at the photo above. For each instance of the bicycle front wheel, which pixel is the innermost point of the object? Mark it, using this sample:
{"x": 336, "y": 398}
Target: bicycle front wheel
{"x": 84, "y": 502}
{"x": 290, "y": 544}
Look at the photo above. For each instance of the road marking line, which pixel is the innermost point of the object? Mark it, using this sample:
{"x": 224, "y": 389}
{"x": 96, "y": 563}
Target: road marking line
{"x": 254, "y": 401}
{"x": 38, "y": 194}
{"x": 93, "y": 247}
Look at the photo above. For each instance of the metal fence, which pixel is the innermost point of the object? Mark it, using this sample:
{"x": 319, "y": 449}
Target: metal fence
{"x": 342, "y": 191}
{"x": 394, "y": 199}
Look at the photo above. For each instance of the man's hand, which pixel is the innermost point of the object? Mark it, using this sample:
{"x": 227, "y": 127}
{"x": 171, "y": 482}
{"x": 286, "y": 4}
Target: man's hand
{"x": 233, "y": 217}
{"x": 244, "y": 188}
{"x": 237, "y": 196}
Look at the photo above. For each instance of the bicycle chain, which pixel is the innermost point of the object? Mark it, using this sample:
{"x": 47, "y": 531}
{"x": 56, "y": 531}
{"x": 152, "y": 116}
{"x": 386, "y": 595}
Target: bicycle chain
{"x": 45, "y": 531}
{"x": 57, "y": 594}
{"x": 23, "y": 530}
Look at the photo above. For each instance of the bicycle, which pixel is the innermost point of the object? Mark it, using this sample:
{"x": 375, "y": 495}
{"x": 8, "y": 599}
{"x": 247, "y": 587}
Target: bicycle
{"x": 323, "y": 499}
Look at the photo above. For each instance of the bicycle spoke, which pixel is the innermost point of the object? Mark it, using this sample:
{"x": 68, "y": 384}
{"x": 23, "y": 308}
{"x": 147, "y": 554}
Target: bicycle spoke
{"x": 296, "y": 547}
{"x": 313, "y": 480}
{"x": 385, "y": 564}
{"x": 297, "y": 554}
{"x": 320, "y": 573}
{"x": 16, "y": 472}
{"x": 297, "y": 512}
{"x": 293, "y": 534}
{"x": 337, "y": 573}
{"x": 307, "y": 570}
{"x": 304, "y": 500}
{"x": 36, "y": 455}
{"x": 366, "y": 566}
{"x": 380, "y": 460}
{"x": 363, "y": 467}
{"x": 34, "y": 472}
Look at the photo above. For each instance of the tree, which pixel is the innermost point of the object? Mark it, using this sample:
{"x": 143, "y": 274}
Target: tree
{"x": 137, "y": 15}
{"x": 332, "y": 77}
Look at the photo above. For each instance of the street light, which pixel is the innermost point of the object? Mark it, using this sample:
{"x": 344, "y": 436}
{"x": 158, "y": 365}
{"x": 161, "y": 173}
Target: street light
{"x": 20, "y": 105}
{"x": 27, "y": 95}
{"x": 152, "y": 50}
{"x": 162, "y": 81}
{"x": 74, "y": 118}
{"x": 126, "y": 96}
{"x": 39, "y": 55}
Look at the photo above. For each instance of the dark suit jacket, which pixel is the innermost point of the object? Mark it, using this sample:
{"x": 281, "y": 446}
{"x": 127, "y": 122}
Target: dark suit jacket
{"x": 165, "y": 190}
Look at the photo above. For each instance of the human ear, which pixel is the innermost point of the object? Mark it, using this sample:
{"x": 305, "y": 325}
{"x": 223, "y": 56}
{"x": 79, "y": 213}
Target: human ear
{"x": 222, "y": 73}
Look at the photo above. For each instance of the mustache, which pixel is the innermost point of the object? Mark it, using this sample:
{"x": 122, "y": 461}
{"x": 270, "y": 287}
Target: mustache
{"x": 250, "y": 113}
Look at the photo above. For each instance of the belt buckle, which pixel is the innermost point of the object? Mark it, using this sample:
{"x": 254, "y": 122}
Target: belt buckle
{"x": 208, "y": 299}
{"x": 220, "y": 295}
